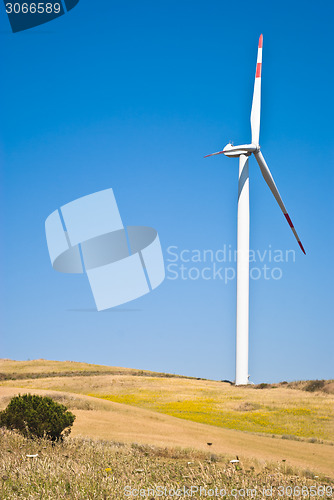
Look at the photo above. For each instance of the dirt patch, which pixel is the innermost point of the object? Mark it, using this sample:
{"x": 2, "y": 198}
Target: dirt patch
{"x": 245, "y": 406}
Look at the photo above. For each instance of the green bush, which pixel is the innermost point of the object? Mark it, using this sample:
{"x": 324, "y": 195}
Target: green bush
{"x": 37, "y": 416}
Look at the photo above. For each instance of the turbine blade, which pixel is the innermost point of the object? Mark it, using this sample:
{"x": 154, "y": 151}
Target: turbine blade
{"x": 213, "y": 154}
{"x": 272, "y": 186}
{"x": 256, "y": 105}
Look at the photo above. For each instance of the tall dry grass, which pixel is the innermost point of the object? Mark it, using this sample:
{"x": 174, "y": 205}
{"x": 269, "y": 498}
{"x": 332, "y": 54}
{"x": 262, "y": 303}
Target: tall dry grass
{"x": 86, "y": 469}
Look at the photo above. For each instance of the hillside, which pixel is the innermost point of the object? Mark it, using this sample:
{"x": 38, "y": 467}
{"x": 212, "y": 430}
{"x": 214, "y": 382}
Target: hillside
{"x": 42, "y": 368}
{"x": 271, "y": 424}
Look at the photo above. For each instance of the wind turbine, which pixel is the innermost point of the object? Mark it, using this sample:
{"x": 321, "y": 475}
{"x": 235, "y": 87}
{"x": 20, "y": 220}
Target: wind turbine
{"x": 243, "y": 152}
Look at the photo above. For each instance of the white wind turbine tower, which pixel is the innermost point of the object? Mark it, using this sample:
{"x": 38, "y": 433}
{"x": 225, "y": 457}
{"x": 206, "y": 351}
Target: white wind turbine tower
{"x": 243, "y": 152}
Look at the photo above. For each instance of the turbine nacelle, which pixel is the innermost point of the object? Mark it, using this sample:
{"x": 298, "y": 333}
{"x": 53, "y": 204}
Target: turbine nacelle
{"x": 235, "y": 151}
{"x": 244, "y": 149}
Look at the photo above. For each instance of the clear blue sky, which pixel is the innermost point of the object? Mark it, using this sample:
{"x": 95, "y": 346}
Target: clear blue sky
{"x": 131, "y": 95}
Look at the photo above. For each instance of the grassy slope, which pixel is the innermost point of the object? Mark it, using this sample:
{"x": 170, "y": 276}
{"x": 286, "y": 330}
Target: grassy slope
{"x": 103, "y": 419}
{"x": 275, "y": 411}
{"x": 281, "y": 410}
{"x": 37, "y": 368}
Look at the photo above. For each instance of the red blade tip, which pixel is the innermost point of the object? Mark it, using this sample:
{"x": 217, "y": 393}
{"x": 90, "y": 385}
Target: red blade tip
{"x": 301, "y": 246}
{"x": 213, "y": 154}
{"x": 260, "y": 41}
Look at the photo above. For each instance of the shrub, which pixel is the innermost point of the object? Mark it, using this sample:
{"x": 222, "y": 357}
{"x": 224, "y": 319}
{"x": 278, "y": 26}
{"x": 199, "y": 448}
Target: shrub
{"x": 262, "y": 386}
{"x": 314, "y": 385}
{"x": 37, "y": 416}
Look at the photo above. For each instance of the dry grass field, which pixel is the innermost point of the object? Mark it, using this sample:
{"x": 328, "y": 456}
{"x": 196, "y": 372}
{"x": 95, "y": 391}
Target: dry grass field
{"x": 83, "y": 469}
{"x": 282, "y": 411}
{"x": 281, "y": 425}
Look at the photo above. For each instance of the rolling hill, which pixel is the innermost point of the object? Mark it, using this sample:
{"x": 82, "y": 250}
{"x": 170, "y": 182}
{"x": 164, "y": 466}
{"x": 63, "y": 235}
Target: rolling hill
{"x": 270, "y": 424}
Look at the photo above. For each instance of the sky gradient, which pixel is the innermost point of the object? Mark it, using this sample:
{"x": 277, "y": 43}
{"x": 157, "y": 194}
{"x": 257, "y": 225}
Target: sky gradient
{"x": 131, "y": 95}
